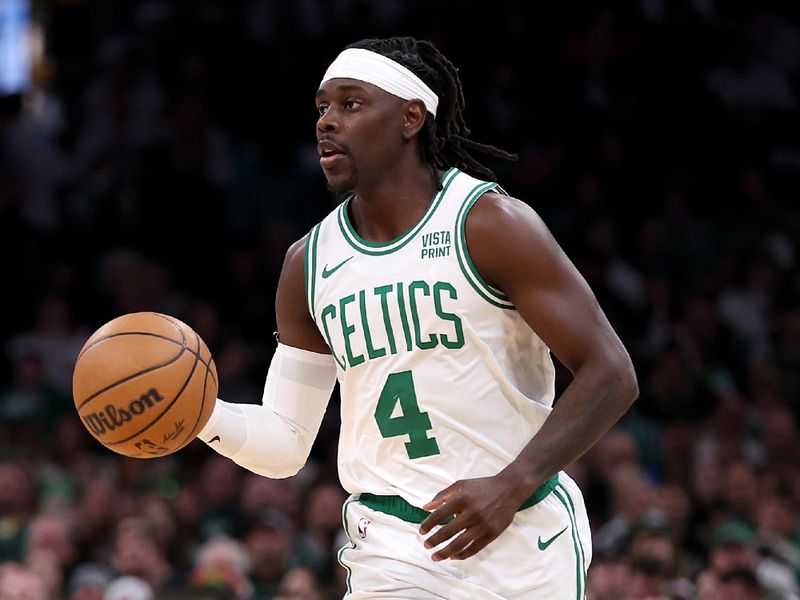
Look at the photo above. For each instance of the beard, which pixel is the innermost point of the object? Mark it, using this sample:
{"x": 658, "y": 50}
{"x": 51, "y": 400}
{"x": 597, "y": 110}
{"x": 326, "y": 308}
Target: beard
{"x": 343, "y": 185}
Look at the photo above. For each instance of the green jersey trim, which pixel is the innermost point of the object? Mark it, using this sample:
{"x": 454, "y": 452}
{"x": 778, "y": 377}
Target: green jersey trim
{"x": 377, "y": 249}
{"x": 488, "y": 292}
{"x": 310, "y": 268}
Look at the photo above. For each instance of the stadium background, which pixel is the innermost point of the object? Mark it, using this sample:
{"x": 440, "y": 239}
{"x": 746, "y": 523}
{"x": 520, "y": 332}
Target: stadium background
{"x": 162, "y": 157}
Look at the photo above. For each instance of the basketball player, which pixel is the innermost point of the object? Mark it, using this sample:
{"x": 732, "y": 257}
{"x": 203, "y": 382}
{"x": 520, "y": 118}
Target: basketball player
{"x": 435, "y": 300}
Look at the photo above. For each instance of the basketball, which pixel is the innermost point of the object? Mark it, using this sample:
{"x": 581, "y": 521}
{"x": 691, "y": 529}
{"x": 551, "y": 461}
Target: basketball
{"x": 144, "y": 384}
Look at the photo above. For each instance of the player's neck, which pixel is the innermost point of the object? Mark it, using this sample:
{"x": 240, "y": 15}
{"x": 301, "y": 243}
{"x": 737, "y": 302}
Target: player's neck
{"x": 388, "y": 206}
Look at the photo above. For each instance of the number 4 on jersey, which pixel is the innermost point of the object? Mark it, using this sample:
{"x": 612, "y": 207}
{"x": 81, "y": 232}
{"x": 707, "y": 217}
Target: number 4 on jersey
{"x": 412, "y": 422}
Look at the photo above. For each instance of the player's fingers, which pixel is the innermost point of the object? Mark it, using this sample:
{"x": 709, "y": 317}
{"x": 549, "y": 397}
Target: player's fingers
{"x": 442, "y": 497}
{"x": 472, "y": 549}
{"x": 438, "y": 516}
{"x": 447, "y": 531}
{"x": 454, "y": 547}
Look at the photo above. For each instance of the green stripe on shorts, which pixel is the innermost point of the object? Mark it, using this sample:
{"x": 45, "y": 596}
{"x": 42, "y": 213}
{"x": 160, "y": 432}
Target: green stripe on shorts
{"x": 580, "y": 573}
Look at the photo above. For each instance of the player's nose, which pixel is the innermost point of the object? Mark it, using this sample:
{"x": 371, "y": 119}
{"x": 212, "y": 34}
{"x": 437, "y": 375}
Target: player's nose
{"x": 328, "y": 122}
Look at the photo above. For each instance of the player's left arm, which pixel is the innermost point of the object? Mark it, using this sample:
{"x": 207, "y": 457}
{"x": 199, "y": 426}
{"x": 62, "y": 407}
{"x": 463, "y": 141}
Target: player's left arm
{"x": 513, "y": 249}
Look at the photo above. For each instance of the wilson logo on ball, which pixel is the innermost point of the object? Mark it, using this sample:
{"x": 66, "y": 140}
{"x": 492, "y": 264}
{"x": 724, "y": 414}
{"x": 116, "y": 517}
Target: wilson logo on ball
{"x": 112, "y": 417}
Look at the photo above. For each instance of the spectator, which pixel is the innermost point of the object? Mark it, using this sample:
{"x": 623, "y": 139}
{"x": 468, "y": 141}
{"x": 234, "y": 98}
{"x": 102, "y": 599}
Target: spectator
{"x": 776, "y": 530}
{"x": 39, "y": 162}
{"x": 128, "y": 588}
{"x": 18, "y": 583}
{"x": 734, "y": 551}
{"x": 55, "y": 339}
{"x": 17, "y": 502}
{"x": 52, "y": 533}
{"x": 323, "y": 522}
{"x": 29, "y": 402}
{"x": 223, "y": 563}
{"x": 655, "y": 560}
{"x": 269, "y": 545}
{"x": 88, "y": 582}
{"x": 740, "y": 584}
{"x": 220, "y": 481}
{"x": 609, "y": 577}
{"x": 136, "y": 552}
{"x": 299, "y": 584}
{"x": 260, "y": 494}
{"x": 732, "y": 547}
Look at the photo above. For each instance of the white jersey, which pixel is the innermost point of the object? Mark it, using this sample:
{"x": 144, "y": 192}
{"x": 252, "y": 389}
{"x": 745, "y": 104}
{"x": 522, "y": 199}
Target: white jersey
{"x": 440, "y": 377}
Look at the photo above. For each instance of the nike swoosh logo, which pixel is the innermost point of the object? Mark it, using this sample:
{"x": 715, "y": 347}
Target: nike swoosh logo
{"x": 214, "y": 439}
{"x": 544, "y": 545}
{"x": 328, "y": 272}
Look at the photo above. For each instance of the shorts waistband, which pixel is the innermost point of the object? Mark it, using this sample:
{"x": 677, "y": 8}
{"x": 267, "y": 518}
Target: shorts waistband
{"x": 400, "y": 508}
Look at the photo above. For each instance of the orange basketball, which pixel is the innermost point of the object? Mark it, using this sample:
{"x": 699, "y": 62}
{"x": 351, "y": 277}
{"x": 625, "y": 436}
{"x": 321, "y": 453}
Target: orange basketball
{"x": 144, "y": 384}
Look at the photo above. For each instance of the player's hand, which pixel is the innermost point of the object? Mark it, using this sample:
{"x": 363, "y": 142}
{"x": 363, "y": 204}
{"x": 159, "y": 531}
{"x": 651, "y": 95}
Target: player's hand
{"x": 481, "y": 509}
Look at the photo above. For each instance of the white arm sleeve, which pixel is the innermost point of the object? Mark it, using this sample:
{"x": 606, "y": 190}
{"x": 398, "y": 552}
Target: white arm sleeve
{"x": 274, "y": 438}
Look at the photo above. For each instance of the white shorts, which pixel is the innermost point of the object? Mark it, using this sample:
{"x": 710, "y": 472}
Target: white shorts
{"x": 544, "y": 554}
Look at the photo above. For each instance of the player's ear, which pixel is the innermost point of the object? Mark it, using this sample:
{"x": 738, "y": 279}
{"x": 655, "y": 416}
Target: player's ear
{"x": 413, "y": 118}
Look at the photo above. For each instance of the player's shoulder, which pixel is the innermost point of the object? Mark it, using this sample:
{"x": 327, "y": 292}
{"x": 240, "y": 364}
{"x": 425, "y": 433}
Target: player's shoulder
{"x": 302, "y": 250}
{"x": 496, "y": 212}
{"x": 297, "y": 249}
{"x": 510, "y": 243}
{"x": 299, "y": 245}
{"x": 294, "y": 261}
{"x": 292, "y": 281}
{"x": 497, "y": 198}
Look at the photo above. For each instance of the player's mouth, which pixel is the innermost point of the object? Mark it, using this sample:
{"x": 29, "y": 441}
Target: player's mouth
{"x": 327, "y": 160}
{"x": 329, "y": 153}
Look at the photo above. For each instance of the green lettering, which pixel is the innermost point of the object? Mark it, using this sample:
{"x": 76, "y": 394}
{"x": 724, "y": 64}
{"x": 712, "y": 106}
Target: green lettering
{"x": 387, "y": 321}
{"x": 438, "y": 287}
{"x": 372, "y": 352}
{"x": 403, "y": 316}
{"x": 347, "y": 331}
{"x": 426, "y": 290}
{"x": 330, "y": 310}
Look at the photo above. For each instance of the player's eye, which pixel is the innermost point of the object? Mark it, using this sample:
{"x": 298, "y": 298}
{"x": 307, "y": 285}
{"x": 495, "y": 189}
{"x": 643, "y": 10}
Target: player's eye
{"x": 352, "y": 104}
{"x": 321, "y": 109}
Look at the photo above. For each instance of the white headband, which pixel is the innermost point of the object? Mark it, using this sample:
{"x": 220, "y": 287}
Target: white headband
{"x": 383, "y": 72}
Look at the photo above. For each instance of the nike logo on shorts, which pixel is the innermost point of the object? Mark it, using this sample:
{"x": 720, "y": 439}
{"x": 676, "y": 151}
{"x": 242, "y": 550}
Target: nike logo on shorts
{"x": 544, "y": 545}
{"x": 214, "y": 439}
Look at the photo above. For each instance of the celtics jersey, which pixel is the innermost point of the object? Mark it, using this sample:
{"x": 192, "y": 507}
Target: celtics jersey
{"x": 440, "y": 377}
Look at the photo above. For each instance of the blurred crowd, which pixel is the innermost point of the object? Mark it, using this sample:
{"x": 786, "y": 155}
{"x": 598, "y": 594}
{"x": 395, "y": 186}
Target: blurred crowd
{"x": 163, "y": 159}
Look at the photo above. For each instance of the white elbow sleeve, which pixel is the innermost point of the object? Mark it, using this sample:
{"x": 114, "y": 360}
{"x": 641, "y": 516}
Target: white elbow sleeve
{"x": 274, "y": 438}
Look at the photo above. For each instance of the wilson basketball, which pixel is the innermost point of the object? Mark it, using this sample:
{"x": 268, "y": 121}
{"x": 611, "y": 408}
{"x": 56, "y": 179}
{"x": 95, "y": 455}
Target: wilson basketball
{"x": 144, "y": 384}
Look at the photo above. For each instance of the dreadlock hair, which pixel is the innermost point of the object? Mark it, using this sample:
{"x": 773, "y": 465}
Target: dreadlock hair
{"x": 444, "y": 141}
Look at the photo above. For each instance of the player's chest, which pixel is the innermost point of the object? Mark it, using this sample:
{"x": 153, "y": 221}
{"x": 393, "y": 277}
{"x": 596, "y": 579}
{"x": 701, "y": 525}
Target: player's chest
{"x": 374, "y": 307}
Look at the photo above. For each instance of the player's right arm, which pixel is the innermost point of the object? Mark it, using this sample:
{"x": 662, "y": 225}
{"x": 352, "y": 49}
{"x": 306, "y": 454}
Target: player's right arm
{"x": 296, "y": 328}
{"x": 274, "y": 438}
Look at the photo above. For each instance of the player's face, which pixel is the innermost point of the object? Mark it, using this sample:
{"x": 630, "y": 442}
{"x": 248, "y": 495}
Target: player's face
{"x": 357, "y": 132}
